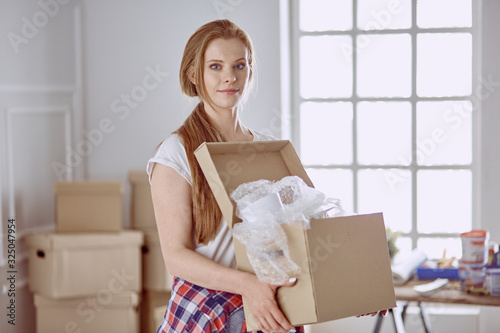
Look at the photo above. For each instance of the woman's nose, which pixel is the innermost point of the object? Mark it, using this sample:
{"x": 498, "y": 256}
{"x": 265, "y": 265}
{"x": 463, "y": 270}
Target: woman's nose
{"x": 229, "y": 76}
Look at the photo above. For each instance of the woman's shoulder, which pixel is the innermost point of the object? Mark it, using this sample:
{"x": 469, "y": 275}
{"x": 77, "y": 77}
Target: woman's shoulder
{"x": 172, "y": 143}
{"x": 261, "y": 136}
{"x": 171, "y": 150}
{"x": 171, "y": 153}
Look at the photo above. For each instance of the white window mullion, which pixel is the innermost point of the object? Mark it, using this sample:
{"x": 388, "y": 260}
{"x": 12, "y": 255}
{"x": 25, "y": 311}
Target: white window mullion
{"x": 476, "y": 115}
{"x": 414, "y": 166}
{"x": 355, "y": 100}
{"x": 287, "y": 70}
{"x": 295, "y": 75}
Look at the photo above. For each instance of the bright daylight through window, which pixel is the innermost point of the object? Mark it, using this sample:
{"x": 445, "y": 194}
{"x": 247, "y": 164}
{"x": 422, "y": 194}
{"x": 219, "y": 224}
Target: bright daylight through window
{"x": 384, "y": 111}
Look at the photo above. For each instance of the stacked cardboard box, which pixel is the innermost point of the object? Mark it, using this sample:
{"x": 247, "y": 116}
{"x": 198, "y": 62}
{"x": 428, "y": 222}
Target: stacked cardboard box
{"x": 118, "y": 313}
{"x": 86, "y": 276}
{"x": 157, "y": 282}
{"x": 153, "y": 306}
{"x": 88, "y": 206}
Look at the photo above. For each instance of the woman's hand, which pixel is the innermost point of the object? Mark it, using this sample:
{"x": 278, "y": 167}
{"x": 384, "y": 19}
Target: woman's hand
{"x": 261, "y": 298}
{"x": 372, "y": 314}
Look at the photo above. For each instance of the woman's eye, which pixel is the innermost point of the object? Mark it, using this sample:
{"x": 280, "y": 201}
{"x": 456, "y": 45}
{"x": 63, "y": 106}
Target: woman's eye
{"x": 240, "y": 66}
{"x": 215, "y": 66}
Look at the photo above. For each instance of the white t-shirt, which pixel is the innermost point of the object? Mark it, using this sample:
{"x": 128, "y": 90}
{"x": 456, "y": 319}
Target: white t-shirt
{"x": 172, "y": 154}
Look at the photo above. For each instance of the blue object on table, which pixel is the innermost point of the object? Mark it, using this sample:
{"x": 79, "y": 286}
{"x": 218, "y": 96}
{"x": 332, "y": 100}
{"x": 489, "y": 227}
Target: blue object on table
{"x": 427, "y": 271}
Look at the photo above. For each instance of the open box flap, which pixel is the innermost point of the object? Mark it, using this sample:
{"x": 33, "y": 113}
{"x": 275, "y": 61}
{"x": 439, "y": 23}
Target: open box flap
{"x": 229, "y": 164}
{"x": 210, "y": 171}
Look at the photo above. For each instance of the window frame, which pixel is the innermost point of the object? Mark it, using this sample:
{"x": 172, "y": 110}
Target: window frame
{"x": 293, "y": 99}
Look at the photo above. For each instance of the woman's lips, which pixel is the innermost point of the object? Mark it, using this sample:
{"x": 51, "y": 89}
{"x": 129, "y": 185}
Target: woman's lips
{"x": 228, "y": 91}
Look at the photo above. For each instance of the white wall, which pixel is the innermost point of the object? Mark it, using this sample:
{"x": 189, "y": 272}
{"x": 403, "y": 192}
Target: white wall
{"x": 490, "y": 139}
{"x": 152, "y": 35}
{"x": 37, "y": 90}
{"x": 490, "y": 124}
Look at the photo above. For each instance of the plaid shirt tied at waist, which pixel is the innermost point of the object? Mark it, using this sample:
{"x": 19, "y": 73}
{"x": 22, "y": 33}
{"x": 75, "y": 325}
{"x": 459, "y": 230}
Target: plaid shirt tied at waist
{"x": 194, "y": 309}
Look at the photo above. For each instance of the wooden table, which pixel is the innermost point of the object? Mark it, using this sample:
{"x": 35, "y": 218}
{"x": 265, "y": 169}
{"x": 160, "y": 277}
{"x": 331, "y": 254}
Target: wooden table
{"x": 452, "y": 294}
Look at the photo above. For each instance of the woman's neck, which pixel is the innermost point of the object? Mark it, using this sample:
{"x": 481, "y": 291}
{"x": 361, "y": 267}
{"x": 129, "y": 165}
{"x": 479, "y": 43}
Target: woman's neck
{"x": 229, "y": 124}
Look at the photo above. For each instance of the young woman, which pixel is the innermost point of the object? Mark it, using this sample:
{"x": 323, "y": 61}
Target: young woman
{"x": 218, "y": 67}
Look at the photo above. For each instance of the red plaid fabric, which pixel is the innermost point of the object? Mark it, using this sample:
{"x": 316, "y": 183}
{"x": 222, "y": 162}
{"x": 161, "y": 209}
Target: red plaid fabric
{"x": 194, "y": 309}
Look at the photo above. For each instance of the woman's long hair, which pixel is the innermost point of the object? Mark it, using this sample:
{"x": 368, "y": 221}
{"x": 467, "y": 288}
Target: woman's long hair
{"x": 198, "y": 128}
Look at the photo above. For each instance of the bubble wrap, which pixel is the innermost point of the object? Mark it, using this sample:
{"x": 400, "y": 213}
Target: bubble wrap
{"x": 263, "y": 206}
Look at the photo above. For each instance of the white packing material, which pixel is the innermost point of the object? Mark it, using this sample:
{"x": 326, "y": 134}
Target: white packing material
{"x": 263, "y": 206}
{"x": 405, "y": 270}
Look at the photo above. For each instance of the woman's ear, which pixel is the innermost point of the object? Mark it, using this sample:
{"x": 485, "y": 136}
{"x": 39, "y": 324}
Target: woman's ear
{"x": 191, "y": 75}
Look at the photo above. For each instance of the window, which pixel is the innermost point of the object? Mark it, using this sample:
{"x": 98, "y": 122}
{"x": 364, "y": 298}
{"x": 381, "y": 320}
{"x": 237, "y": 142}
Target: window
{"x": 384, "y": 113}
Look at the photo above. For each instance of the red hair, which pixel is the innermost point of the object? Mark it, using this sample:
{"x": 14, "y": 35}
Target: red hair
{"x": 198, "y": 128}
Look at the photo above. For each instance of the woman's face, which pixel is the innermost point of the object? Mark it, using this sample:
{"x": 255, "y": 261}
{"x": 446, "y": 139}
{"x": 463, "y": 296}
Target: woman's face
{"x": 226, "y": 72}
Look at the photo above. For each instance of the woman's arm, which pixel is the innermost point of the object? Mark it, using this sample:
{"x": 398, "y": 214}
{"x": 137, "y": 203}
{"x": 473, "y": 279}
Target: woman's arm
{"x": 173, "y": 211}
